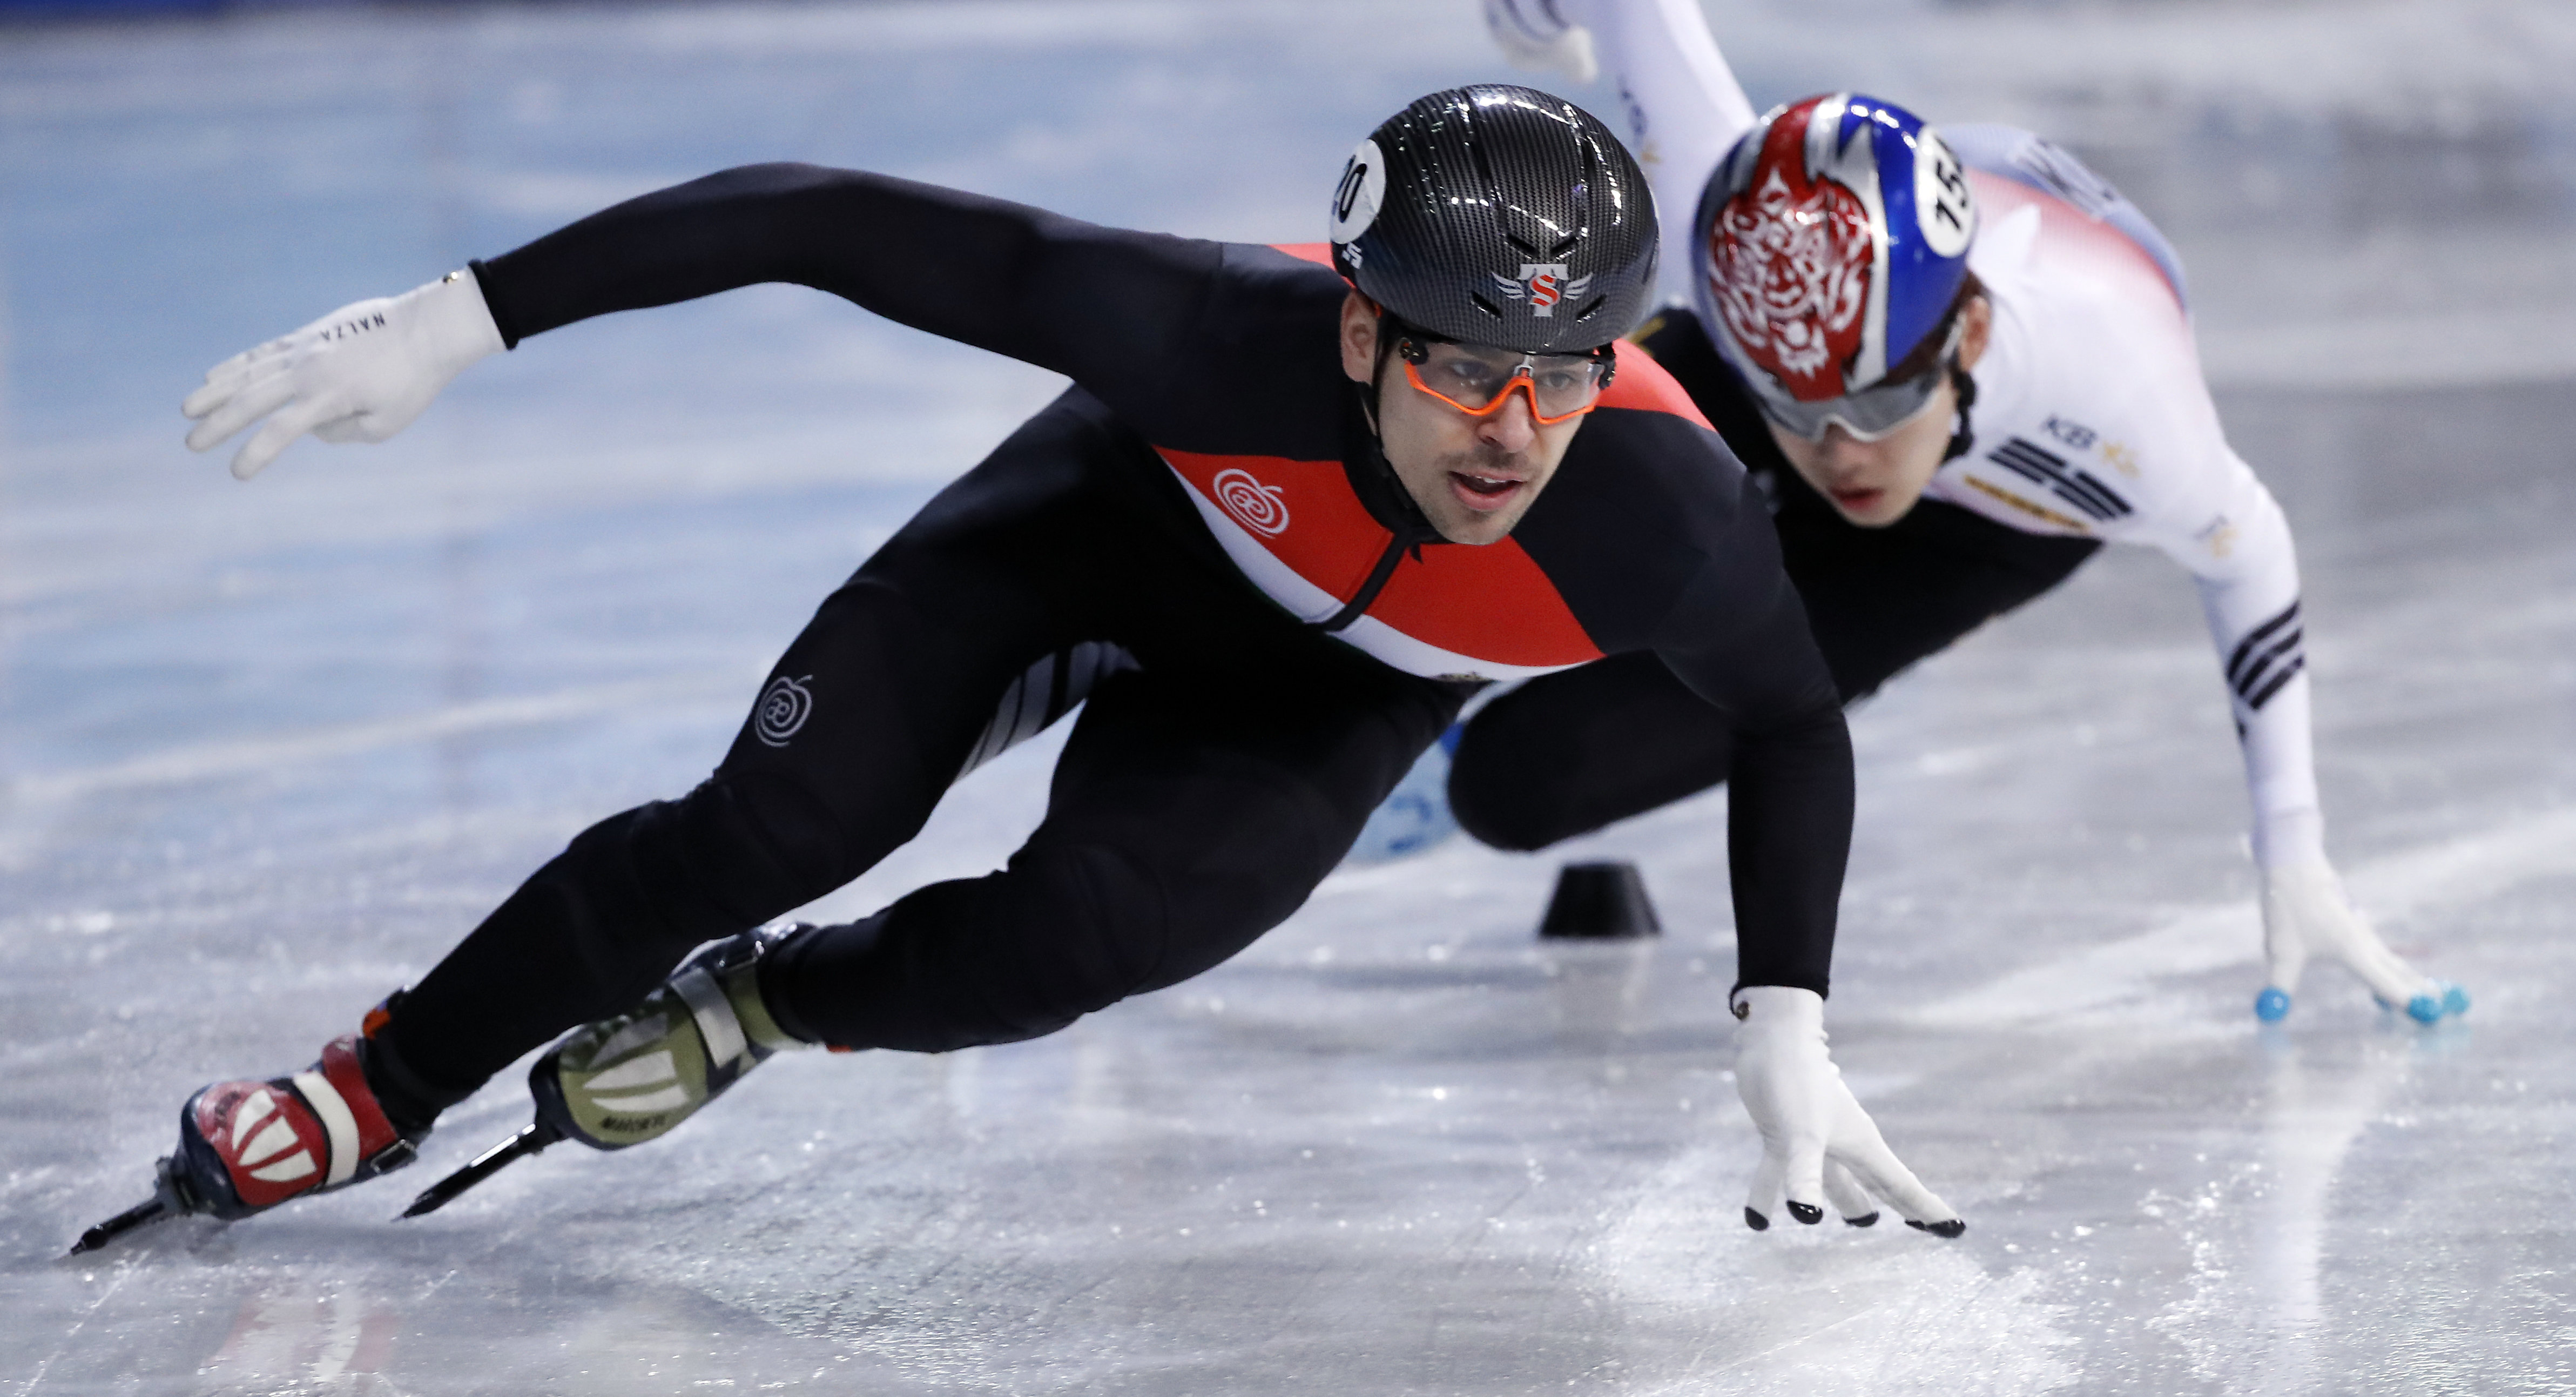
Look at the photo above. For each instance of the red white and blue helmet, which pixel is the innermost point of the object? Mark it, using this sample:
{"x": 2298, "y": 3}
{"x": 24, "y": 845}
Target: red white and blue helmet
{"x": 1831, "y": 242}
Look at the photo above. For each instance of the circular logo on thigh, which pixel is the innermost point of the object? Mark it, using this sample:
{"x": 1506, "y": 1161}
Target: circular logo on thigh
{"x": 1362, "y": 189}
{"x": 1255, "y": 506}
{"x": 784, "y": 707}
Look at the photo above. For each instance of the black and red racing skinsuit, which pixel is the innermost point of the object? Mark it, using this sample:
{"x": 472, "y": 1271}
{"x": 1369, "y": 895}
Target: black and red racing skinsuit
{"x": 1209, "y": 497}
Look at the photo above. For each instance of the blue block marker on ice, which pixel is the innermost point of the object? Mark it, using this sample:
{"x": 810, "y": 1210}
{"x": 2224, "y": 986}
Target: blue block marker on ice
{"x": 1415, "y": 815}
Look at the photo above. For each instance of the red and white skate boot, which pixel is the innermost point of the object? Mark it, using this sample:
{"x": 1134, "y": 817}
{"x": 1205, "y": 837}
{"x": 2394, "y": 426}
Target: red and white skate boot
{"x": 247, "y": 1146}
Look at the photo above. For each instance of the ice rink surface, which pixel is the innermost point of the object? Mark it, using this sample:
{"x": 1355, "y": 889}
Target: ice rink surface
{"x": 267, "y": 750}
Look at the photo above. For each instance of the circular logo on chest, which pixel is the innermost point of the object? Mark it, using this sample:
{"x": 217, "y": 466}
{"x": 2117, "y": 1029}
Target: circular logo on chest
{"x": 1258, "y": 507}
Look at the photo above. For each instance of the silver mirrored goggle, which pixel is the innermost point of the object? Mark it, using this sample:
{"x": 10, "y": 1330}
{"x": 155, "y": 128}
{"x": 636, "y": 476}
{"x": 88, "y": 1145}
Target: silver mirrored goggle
{"x": 1867, "y": 415}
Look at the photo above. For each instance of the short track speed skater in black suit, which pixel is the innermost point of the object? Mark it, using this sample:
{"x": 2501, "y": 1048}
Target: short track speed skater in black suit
{"x": 1315, "y": 505}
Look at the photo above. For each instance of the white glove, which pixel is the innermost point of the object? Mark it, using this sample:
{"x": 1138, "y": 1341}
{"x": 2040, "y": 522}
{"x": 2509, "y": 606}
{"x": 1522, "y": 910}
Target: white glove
{"x": 1817, "y": 1143}
{"x": 1533, "y": 35}
{"x": 361, "y": 373}
{"x": 2305, "y": 913}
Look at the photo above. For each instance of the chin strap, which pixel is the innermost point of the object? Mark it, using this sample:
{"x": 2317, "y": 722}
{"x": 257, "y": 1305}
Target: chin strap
{"x": 1410, "y": 517}
{"x": 1388, "y": 502}
{"x": 1964, "y": 439}
{"x": 1409, "y": 529}
{"x": 1388, "y": 329}
{"x": 1381, "y": 492}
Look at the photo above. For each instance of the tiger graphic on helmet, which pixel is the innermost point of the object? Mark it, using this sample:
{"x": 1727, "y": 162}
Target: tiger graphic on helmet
{"x": 1830, "y": 243}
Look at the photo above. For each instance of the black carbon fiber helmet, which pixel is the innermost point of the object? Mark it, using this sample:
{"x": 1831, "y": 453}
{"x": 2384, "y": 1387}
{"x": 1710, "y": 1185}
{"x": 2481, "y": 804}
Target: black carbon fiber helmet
{"x": 1499, "y": 215}
{"x": 1498, "y": 218}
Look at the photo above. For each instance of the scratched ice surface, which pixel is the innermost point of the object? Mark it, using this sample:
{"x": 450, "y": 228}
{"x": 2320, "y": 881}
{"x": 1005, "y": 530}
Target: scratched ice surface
{"x": 268, "y": 750}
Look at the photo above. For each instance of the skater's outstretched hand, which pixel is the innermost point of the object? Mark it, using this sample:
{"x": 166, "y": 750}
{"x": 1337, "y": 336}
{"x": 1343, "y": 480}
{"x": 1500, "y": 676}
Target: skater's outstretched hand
{"x": 361, "y": 373}
{"x": 2306, "y": 914}
{"x": 1818, "y": 1145}
{"x": 1533, "y": 35}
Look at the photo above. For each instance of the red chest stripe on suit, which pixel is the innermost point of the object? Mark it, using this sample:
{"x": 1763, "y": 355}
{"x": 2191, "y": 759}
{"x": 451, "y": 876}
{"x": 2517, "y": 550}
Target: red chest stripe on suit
{"x": 1302, "y": 512}
{"x": 1297, "y": 531}
{"x": 1489, "y": 604}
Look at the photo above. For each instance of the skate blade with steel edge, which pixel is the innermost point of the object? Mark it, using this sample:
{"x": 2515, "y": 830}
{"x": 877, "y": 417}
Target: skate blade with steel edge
{"x": 554, "y": 1122}
{"x": 170, "y": 1199}
{"x": 531, "y": 1138}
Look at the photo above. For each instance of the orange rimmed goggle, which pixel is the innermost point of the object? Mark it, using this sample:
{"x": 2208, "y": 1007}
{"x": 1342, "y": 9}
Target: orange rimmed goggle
{"x": 1477, "y": 381}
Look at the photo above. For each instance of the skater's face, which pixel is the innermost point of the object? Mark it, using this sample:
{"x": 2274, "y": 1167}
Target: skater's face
{"x": 1474, "y": 476}
{"x": 1875, "y": 483}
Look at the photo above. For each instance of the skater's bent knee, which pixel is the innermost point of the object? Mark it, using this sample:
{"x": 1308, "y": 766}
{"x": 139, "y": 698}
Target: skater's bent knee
{"x": 1067, "y": 930}
{"x": 1517, "y": 816}
{"x": 1092, "y": 926}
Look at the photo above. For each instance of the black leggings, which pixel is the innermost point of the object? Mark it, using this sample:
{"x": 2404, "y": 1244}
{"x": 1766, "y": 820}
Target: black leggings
{"x": 1198, "y": 801}
{"x": 1569, "y": 753}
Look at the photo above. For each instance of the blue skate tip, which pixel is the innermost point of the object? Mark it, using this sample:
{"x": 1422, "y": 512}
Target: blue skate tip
{"x": 2272, "y": 1005}
{"x": 2424, "y": 1008}
{"x": 2455, "y": 1000}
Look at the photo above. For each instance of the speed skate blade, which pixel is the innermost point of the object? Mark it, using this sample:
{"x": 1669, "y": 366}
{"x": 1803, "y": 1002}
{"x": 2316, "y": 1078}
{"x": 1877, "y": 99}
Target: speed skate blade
{"x": 166, "y": 1202}
{"x": 150, "y": 1210}
{"x": 532, "y": 1137}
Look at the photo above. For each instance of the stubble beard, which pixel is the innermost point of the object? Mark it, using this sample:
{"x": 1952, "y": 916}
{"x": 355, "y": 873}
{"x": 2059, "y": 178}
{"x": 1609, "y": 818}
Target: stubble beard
{"x": 1485, "y": 459}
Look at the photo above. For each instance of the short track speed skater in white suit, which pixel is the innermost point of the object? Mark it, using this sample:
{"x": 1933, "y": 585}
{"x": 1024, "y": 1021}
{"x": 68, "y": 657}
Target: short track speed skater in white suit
{"x": 1968, "y": 361}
